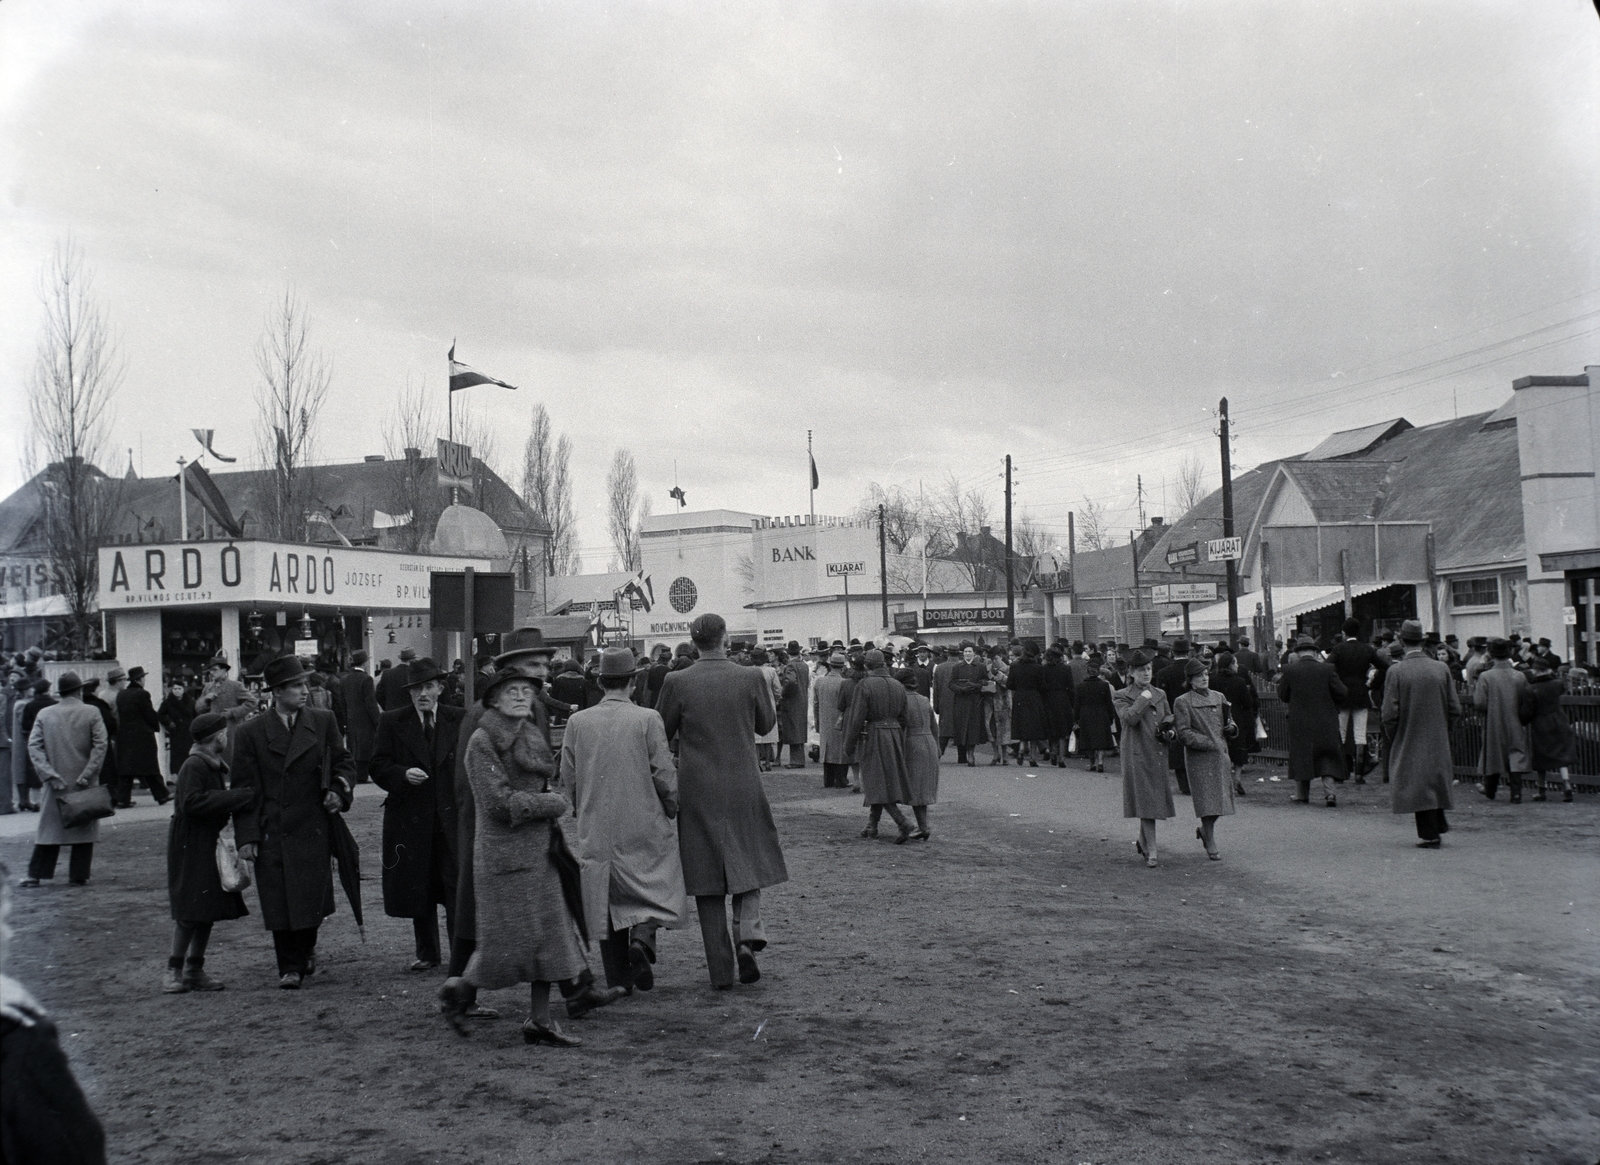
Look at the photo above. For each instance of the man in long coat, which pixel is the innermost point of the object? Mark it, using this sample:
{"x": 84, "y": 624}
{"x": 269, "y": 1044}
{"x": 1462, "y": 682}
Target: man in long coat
{"x": 795, "y": 677}
{"x": 726, "y": 836}
{"x": 1419, "y": 704}
{"x": 617, "y": 771}
{"x": 414, "y": 761}
{"x": 944, "y": 701}
{"x": 295, "y": 759}
{"x": 830, "y": 724}
{"x": 356, "y": 702}
{"x": 1312, "y": 692}
{"x": 877, "y": 722}
{"x": 138, "y": 754}
{"x": 391, "y": 686}
{"x": 23, "y": 774}
{"x": 1499, "y": 692}
{"x": 68, "y": 743}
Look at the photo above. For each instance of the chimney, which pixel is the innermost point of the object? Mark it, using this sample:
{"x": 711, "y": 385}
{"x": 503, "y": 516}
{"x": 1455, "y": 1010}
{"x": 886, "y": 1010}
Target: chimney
{"x": 1158, "y": 521}
{"x": 412, "y": 453}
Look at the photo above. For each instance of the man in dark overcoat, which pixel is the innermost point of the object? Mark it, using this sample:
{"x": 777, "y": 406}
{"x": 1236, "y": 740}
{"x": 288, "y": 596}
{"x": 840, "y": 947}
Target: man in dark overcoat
{"x": 413, "y": 760}
{"x": 922, "y": 671}
{"x": 944, "y": 699}
{"x": 138, "y": 757}
{"x": 1352, "y": 657}
{"x": 356, "y": 702}
{"x": 526, "y": 650}
{"x": 726, "y": 837}
{"x": 1419, "y": 705}
{"x": 1502, "y": 694}
{"x": 794, "y": 706}
{"x": 1173, "y": 679}
{"x": 295, "y": 759}
{"x": 1312, "y": 693}
{"x": 391, "y": 686}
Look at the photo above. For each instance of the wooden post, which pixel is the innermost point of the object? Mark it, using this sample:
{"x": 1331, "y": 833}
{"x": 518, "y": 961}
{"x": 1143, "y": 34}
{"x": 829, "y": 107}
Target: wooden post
{"x": 1227, "y": 527}
{"x": 469, "y": 662}
{"x": 1344, "y": 577}
{"x": 1433, "y": 580}
{"x": 1269, "y": 650}
{"x": 1072, "y": 565}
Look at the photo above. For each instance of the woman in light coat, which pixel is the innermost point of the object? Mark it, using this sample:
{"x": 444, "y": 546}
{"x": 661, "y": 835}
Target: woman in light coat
{"x": 67, "y": 745}
{"x": 1203, "y": 721}
{"x": 526, "y": 934}
{"x": 922, "y": 753}
{"x": 1142, "y": 709}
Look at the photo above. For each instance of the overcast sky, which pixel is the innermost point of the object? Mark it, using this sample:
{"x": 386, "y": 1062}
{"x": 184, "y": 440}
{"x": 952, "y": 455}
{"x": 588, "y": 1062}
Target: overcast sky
{"x": 933, "y": 233}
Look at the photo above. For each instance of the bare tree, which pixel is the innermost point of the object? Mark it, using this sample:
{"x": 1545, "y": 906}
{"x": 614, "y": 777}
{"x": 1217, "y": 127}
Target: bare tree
{"x": 622, "y": 504}
{"x": 961, "y": 520}
{"x": 409, "y": 438}
{"x": 294, "y": 386}
{"x": 905, "y": 516}
{"x": 547, "y": 490}
{"x": 1191, "y": 486}
{"x": 1091, "y": 529}
{"x": 75, "y": 375}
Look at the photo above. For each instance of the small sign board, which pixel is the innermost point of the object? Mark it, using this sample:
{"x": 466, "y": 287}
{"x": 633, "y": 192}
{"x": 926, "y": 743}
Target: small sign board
{"x": 1569, "y": 616}
{"x": 1224, "y": 549}
{"x": 455, "y": 465}
{"x": 967, "y": 618}
{"x": 841, "y": 569}
{"x": 1184, "y": 555}
{"x": 305, "y": 648}
{"x": 905, "y": 621}
{"x": 1184, "y": 593}
{"x": 493, "y": 601}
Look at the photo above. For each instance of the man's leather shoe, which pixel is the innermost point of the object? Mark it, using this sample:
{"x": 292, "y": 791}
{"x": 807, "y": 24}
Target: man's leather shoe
{"x": 424, "y": 965}
{"x": 591, "y": 997}
{"x": 289, "y": 981}
{"x": 29, "y": 883}
{"x": 198, "y": 980}
{"x": 172, "y": 982}
{"x": 748, "y": 971}
{"x": 644, "y": 975}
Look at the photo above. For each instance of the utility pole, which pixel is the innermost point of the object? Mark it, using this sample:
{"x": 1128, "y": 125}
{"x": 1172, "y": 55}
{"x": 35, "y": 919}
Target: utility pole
{"x": 1072, "y": 564}
{"x": 1227, "y": 526}
{"x": 1142, "y": 520}
{"x": 183, "y": 503}
{"x": 883, "y": 564}
{"x": 1011, "y": 593}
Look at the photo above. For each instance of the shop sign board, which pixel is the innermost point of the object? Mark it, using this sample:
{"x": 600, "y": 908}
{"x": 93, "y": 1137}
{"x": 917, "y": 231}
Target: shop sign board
{"x": 1184, "y": 555}
{"x": 964, "y": 618}
{"x": 271, "y": 574}
{"x": 1184, "y": 593}
{"x": 905, "y": 621}
{"x": 1224, "y": 549}
{"x": 455, "y": 465}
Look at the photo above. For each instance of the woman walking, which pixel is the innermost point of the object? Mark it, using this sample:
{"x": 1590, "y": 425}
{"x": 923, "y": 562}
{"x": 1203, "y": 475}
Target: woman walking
{"x": 998, "y": 721}
{"x": 1551, "y": 742}
{"x": 1204, "y": 726}
{"x": 1056, "y": 687}
{"x": 1142, "y": 709}
{"x": 201, "y": 808}
{"x": 1243, "y": 703}
{"x": 526, "y": 933}
{"x": 1096, "y": 714}
{"x": 922, "y": 753}
{"x": 1026, "y": 681}
{"x": 877, "y": 723}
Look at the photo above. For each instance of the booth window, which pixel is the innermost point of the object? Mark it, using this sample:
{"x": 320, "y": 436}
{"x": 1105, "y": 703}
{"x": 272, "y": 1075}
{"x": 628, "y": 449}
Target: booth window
{"x": 1475, "y": 592}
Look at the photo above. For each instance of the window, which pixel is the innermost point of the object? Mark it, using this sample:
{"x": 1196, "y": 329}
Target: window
{"x": 1475, "y": 592}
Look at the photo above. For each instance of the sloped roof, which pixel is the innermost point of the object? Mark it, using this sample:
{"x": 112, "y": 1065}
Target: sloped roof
{"x": 1351, "y": 442}
{"x": 22, "y": 509}
{"x": 1339, "y": 491}
{"x": 1204, "y": 522}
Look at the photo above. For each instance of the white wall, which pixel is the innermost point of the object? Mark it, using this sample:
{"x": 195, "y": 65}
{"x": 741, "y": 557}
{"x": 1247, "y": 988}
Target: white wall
{"x": 1558, "y": 441}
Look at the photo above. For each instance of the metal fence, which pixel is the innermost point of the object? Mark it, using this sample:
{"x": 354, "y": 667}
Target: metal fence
{"x": 1466, "y": 735}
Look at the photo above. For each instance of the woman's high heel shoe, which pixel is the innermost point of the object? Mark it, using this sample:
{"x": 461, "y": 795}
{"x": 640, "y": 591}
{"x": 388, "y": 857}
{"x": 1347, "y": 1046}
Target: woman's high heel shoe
{"x": 534, "y": 1032}
{"x": 905, "y": 835}
{"x": 1200, "y": 836}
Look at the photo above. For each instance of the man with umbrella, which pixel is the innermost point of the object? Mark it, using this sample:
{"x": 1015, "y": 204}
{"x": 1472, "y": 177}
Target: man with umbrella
{"x": 295, "y": 759}
{"x": 413, "y": 761}
{"x": 726, "y": 837}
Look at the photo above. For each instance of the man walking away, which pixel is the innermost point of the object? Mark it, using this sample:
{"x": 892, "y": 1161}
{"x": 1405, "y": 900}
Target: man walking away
{"x": 1351, "y": 659}
{"x": 1503, "y": 696}
{"x": 68, "y": 745}
{"x": 726, "y": 837}
{"x": 391, "y": 686}
{"x": 1419, "y": 704}
{"x": 617, "y": 771}
{"x": 138, "y": 753}
{"x": 357, "y": 705}
{"x": 830, "y": 724}
{"x": 1312, "y": 693}
{"x": 793, "y": 705}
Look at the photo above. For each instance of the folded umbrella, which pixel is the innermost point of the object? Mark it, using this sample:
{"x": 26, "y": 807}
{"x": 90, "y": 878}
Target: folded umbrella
{"x": 570, "y": 870}
{"x": 348, "y": 856}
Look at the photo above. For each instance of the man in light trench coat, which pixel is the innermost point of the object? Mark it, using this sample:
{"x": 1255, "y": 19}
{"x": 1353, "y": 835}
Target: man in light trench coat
{"x": 1419, "y": 703}
{"x": 726, "y": 837}
{"x": 617, "y": 770}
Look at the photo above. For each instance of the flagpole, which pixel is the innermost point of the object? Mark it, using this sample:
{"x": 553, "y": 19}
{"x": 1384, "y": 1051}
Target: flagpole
{"x": 811, "y": 476}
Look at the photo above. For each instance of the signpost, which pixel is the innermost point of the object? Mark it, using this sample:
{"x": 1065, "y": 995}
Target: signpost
{"x": 1224, "y": 549}
{"x": 1184, "y": 555}
{"x": 1184, "y": 593}
{"x": 471, "y": 601}
{"x": 844, "y": 570}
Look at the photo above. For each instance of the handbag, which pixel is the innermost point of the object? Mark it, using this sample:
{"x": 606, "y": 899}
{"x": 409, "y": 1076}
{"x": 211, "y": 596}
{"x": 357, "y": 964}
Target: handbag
{"x": 84, "y": 805}
{"x": 233, "y": 872}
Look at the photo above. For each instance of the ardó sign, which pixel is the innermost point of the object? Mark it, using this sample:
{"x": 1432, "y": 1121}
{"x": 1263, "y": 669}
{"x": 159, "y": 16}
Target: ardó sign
{"x": 268, "y": 574}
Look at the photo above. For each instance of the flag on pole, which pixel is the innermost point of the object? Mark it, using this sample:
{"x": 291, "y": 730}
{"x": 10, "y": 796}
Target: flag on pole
{"x": 639, "y": 587}
{"x": 463, "y": 377}
{"x": 204, "y": 436}
{"x": 677, "y": 495}
{"x": 815, "y": 482}
{"x": 204, "y": 488}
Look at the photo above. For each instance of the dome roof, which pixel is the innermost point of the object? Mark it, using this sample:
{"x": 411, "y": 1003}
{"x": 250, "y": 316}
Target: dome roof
{"x": 470, "y": 533}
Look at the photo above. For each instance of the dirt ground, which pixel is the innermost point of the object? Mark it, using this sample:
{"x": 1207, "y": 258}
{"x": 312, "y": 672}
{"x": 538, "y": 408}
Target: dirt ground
{"x": 1018, "y": 989}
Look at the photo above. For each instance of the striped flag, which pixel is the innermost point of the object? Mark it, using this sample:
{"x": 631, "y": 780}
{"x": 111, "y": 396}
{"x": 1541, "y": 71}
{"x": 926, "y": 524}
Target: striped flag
{"x": 463, "y": 377}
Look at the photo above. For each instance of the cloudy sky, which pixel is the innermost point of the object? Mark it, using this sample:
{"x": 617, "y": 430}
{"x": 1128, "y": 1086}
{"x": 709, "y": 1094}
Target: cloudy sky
{"x": 933, "y": 233}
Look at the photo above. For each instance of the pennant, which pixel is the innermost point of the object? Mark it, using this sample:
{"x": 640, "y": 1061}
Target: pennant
{"x": 204, "y": 436}
{"x": 639, "y": 587}
{"x": 678, "y": 495}
{"x": 463, "y": 377}
{"x": 815, "y": 481}
{"x": 205, "y": 490}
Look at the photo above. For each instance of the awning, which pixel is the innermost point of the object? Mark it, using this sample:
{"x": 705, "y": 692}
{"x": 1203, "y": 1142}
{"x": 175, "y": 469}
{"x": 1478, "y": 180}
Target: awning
{"x": 1287, "y": 603}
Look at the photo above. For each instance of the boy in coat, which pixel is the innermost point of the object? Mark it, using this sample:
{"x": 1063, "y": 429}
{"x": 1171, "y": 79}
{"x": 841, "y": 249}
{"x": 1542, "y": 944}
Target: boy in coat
{"x": 726, "y": 837}
{"x": 295, "y": 759}
{"x": 414, "y": 761}
{"x": 617, "y": 770}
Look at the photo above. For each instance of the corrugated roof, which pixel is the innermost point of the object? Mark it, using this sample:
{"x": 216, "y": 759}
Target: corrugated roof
{"x": 1350, "y": 442}
{"x": 1339, "y": 491}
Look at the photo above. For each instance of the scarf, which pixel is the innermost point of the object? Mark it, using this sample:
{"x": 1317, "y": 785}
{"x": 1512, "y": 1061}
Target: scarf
{"x": 518, "y": 743}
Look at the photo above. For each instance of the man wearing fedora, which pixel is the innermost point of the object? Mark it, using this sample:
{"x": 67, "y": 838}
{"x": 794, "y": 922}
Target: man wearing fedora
{"x": 392, "y": 684}
{"x": 795, "y": 703}
{"x": 67, "y": 744}
{"x": 526, "y": 650}
{"x": 726, "y": 837}
{"x": 138, "y": 754}
{"x": 830, "y": 724}
{"x": 1312, "y": 692}
{"x": 413, "y": 760}
{"x": 294, "y": 757}
{"x": 1419, "y": 705}
{"x": 356, "y": 704}
{"x": 617, "y": 770}
{"x": 220, "y": 694}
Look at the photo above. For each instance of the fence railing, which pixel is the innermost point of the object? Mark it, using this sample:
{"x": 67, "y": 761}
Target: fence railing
{"x": 1466, "y": 734}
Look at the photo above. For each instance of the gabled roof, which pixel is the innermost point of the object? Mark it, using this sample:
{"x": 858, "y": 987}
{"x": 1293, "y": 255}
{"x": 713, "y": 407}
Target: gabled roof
{"x": 1339, "y": 491}
{"x": 1204, "y": 522}
{"x": 1357, "y": 442}
{"x": 20, "y": 511}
